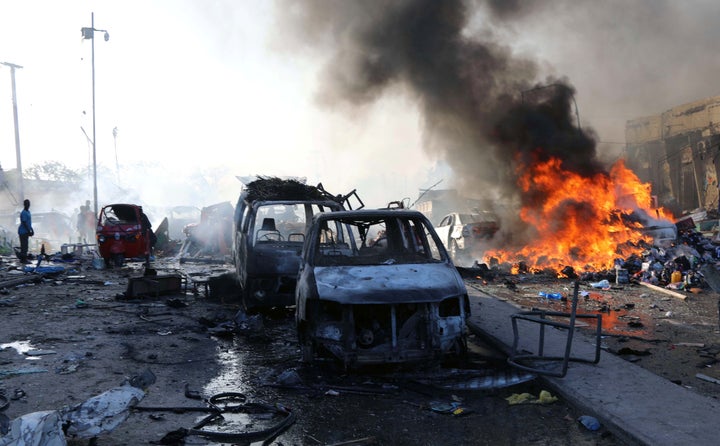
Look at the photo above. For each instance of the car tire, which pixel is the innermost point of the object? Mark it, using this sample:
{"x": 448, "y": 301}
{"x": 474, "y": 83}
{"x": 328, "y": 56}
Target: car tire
{"x": 307, "y": 349}
{"x": 308, "y": 352}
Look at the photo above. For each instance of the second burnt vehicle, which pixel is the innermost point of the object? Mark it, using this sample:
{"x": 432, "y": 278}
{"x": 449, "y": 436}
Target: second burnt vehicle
{"x": 464, "y": 233}
{"x": 378, "y": 287}
{"x": 271, "y": 218}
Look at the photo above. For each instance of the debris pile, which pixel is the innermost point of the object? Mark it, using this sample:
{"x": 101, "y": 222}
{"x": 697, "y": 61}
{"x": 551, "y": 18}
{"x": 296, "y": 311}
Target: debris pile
{"x": 212, "y": 236}
{"x": 682, "y": 264}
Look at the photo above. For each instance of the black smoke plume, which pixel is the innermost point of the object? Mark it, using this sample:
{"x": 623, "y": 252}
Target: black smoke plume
{"x": 483, "y": 109}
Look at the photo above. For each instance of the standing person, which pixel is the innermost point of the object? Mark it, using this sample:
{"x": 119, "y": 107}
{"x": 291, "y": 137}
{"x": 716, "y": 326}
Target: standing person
{"x": 90, "y": 223}
{"x": 81, "y": 225}
{"x": 25, "y": 230}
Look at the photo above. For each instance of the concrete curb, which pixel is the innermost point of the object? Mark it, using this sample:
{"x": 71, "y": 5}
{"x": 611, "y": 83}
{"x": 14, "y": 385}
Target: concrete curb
{"x": 633, "y": 403}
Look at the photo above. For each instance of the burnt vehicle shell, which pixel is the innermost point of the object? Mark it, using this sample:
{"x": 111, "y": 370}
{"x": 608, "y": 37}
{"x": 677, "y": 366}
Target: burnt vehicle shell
{"x": 463, "y": 232}
{"x": 267, "y": 267}
{"x": 266, "y": 248}
{"x": 396, "y": 308}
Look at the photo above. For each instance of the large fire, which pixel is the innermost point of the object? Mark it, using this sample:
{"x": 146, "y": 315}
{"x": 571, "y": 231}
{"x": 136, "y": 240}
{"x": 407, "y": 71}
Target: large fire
{"x": 582, "y": 222}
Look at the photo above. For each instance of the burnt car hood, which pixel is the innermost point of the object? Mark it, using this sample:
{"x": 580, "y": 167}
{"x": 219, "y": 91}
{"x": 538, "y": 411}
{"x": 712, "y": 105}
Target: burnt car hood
{"x": 385, "y": 284}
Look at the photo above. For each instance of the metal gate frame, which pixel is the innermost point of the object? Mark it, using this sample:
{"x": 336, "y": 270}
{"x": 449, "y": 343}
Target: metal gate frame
{"x": 524, "y": 360}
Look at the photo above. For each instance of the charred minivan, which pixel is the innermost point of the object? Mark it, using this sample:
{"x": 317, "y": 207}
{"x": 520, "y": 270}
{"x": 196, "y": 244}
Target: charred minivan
{"x": 378, "y": 287}
{"x": 271, "y": 218}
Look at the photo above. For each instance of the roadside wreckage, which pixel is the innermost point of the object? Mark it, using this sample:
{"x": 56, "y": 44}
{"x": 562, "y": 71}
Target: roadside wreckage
{"x": 685, "y": 262}
{"x": 378, "y": 287}
{"x": 103, "y": 413}
{"x": 98, "y": 415}
{"x": 211, "y": 236}
{"x": 220, "y": 408}
{"x": 271, "y": 219}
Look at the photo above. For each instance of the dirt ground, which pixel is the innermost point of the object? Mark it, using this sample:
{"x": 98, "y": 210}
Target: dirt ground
{"x": 85, "y": 340}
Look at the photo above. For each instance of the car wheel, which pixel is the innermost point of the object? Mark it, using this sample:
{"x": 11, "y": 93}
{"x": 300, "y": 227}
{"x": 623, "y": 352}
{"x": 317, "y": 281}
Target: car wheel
{"x": 248, "y": 301}
{"x": 308, "y": 352}
{"x": 307, "y": 349}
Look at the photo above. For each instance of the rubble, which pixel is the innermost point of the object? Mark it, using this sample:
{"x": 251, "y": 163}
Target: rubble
{"x": 686, "y": 264}
{"x": 98, "y": 415}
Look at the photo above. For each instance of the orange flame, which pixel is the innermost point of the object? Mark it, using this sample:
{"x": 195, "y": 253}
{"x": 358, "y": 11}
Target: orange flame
{"x": 582, "y": 222}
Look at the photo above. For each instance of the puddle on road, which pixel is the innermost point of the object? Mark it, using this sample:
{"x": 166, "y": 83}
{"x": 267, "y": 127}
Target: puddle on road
{"x": 233, "y": 374}
{"x": 246, "y": 364}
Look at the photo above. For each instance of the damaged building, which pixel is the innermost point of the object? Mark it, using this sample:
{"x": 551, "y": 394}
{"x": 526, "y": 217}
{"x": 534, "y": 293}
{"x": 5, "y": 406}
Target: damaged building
{"x": 677, "y": 153}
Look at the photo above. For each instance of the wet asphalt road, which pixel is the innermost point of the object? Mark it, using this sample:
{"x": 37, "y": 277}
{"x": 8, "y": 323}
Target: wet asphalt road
{"x": 387, "y": 407}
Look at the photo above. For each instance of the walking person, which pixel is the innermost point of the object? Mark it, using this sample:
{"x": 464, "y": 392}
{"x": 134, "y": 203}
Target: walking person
{"x": 25, "y": 230}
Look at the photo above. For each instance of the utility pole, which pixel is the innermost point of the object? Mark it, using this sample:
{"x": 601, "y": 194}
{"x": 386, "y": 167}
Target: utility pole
{"x": 17, "y": 129}
{"x": 89, "y": 33}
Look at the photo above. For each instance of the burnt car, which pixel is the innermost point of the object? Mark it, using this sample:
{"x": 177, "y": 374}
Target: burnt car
{"x": 212, "y": 234}
{"x": 464, "y": 233}
{"x": 179, "y": 218}
{"x": 378, "y": 287}
{"x": 271, "y": 218}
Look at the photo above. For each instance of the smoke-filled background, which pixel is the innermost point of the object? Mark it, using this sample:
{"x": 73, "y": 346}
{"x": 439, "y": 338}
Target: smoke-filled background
{"x": 384, "y": 96}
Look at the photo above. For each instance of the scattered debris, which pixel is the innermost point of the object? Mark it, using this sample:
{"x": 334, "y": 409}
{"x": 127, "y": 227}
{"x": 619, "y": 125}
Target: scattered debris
{"x": 228, "y": 403}
{"x": 544, "y": 397}
{"x": 590, "y": 423}
{"x": 664, "y": 290}
{"x": 22, "y": 371}
{"x": 39, "y": 352}
{"x": 153, "y": 285}
{"x": 478, "y": 379}
{"x": 453, "y": 408}
{"x": 98, "y": 415}
{"x": 603, "y": 284}
{"x": 37, "y": 428}
{"x": 358, "y": 442}
{"x": 289, "y": 378}
{"x": 707, "y": 378}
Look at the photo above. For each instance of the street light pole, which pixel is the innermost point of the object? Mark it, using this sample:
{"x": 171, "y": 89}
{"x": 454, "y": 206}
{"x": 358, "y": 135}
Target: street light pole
{"x": 17, "y": 131}
{"x": 89, "y": 33}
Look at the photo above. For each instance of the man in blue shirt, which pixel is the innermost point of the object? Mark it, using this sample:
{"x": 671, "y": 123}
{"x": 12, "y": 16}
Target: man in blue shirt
{"x": 25, "y": 230}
